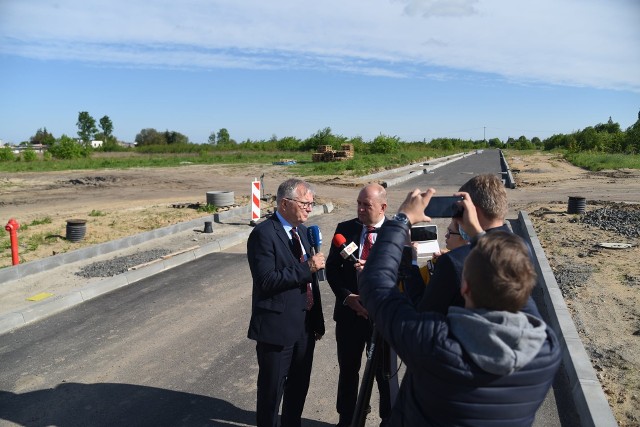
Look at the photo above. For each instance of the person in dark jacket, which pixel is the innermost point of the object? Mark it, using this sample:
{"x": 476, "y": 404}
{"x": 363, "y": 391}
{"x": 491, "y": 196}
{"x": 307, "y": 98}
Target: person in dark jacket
{"x": 490, "y": 200}
{"x": 286, "y": 311}
{"x": 488, "y": 363}
{"x": 353, "y": 328}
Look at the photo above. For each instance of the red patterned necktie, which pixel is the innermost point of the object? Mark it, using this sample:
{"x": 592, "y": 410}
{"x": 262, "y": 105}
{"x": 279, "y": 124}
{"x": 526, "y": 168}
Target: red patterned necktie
{"x": 297, "y": 251}
{"x": 368, "y": 242}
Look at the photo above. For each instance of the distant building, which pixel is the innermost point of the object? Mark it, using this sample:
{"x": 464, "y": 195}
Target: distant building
{"x": 96, "y": 144}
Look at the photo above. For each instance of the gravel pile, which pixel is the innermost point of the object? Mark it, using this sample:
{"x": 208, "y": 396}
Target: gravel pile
{"x": 620, "y": 218}
{"x": 572, "y": 276}
{"x": 121, "y": 264}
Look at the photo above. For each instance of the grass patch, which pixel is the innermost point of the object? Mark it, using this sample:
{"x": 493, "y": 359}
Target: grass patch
{"x": 602, "y": 161}
{"x": 45, "y": 220}
{"x": 361, "y": 164}
{"x": 97, "y": 213}
{"x": 25, "y": 227}
{"x": 208, "y": 208}
{"x": 34, "y": 241}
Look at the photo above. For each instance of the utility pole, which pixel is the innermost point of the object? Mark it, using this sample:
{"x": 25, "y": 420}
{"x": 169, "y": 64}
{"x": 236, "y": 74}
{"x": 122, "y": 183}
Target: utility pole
{"x": 484, "y": 133}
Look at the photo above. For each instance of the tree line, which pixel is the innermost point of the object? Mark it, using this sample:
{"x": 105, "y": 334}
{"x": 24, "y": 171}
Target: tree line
{"x": 604, "y": 137}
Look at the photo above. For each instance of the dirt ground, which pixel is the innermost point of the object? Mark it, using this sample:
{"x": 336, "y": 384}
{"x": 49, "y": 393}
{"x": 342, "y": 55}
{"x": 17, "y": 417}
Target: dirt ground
{"x": 605, "y": 301}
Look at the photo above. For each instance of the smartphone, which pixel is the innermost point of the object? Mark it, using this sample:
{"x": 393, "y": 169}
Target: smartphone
{"x": 423, "y": 233}
{"x": 444, "y": 207}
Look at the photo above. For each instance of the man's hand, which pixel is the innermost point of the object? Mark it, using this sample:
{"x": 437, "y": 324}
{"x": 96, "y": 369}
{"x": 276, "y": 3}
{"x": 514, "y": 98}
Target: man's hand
{"x": 469, "y": 220}
{"x": 360, "y": 265}
{"x": 353, "y": 302}
{"x": 414, "y": 205}
{"x": 316, "y": 262}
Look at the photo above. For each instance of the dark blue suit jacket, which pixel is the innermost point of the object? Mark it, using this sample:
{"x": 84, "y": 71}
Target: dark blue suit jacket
{"x": 278, "y": 314}
{"x": 341, "y": 273}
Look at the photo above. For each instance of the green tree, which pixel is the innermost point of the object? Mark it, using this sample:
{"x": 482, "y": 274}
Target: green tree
{"x": 323, "y": 137}
{"x": 67, "y": 148}
{"x": 223, "y": 137}
{"x": 288, "y": 143}
{"x": 42, "y": 137}
{"x": 495, "y": 143}
{"x": 212, "y": 138}
{"x": 632, "y": 138}
{"x": 86, "y": 127}
{"x": 150, "y": 136}
{"x": 173, "y": 137}
{"x": 107, "y": 127}
{"x": 383, "y": 144}
{"x": 609, "y": 127}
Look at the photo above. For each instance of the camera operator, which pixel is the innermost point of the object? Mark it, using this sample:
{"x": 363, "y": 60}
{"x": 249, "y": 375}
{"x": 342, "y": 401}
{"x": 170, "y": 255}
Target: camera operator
{"x": 490, "y": 202}
{"x": 487, "y": 363}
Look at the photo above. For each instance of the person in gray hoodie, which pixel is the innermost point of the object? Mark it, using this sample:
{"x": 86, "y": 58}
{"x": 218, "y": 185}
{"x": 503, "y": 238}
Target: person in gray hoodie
{"x": 488, "y": 363}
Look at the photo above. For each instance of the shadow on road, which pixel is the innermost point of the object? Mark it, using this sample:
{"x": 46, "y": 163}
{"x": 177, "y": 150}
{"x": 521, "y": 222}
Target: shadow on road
{"x": 73, "y": 404}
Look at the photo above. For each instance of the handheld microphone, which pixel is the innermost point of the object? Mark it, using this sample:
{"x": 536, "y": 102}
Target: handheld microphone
{"x": 347, "y": 251}
{"x": 315, "y": 238}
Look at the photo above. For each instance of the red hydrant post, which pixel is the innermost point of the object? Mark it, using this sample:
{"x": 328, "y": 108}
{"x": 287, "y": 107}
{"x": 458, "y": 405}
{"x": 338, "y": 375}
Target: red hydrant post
{"x": 12, "y": 227}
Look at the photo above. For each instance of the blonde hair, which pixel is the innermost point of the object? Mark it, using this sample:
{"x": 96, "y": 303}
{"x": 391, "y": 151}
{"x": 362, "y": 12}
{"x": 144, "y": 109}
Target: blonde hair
{"x": 488, "y": 193}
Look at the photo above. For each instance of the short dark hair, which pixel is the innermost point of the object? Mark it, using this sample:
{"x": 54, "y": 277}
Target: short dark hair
{"x": 499, "y": 272}
{"x": 488, "y": 193}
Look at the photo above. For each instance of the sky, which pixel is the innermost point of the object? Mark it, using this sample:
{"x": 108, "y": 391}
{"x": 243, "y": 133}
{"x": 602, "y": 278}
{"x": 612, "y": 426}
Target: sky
{"x": 415, "y": 69}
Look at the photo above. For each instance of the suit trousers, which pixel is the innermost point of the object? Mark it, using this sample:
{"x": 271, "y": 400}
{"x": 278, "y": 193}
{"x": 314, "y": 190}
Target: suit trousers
{"x": 351, "y": 339}
{"x": 284, "y": 375}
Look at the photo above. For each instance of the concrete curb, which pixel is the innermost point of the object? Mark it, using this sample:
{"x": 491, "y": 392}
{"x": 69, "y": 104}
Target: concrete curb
{"x": 38, "y": 266}
{"x": 415, "y": 166}
{"x": 16, "y": 319}
{"x": 507, "y": 176}
{"x": 586, "y": 390}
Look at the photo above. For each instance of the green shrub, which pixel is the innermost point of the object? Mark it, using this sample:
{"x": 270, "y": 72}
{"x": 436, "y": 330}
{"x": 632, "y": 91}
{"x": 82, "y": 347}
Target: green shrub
{"x": 29, "y": 155}
{"x": 67, "y": 148}
{"x": 6, "y": 154}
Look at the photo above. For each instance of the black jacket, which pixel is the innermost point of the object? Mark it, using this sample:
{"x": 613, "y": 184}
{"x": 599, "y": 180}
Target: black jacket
{"x": 278, "y": 314}
{"x": 442, "y": 385}
{"x": 341, "y": 273}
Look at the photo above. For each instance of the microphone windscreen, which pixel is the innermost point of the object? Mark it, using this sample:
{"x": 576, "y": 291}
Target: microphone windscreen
{"x": 314, "y": 235}
{"x": 339, "y": 240}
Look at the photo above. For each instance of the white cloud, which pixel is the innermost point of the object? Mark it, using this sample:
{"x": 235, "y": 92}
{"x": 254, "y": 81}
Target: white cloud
{"x": 572, "y": 42}
{"x": 427, "y": 8}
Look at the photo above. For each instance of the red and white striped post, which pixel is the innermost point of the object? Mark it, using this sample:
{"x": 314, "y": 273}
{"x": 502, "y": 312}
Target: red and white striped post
{"x": 255, "y": 200}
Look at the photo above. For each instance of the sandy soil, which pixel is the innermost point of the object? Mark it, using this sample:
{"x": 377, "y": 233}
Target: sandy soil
{"x": 602, "y": 289}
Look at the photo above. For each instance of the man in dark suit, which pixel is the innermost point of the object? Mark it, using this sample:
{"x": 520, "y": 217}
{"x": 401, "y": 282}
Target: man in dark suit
{"x": 353, "y": 328}
{"x": 286, "y": 312}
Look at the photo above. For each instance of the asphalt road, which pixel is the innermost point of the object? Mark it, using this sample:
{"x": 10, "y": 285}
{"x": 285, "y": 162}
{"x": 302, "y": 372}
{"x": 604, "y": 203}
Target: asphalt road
{"x": 171, "y": 350}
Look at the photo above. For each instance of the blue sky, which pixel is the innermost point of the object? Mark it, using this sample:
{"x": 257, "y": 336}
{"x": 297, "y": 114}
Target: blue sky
{"x": 416, "y": 69}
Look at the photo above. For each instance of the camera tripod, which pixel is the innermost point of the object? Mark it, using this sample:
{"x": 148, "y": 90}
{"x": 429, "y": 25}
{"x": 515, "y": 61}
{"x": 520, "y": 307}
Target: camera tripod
{"x": 381, "y": 355}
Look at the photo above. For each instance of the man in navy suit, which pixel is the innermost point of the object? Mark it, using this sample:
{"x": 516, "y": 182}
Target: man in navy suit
{"x": 286, "y": 310}
{"x": 353, "y": 327}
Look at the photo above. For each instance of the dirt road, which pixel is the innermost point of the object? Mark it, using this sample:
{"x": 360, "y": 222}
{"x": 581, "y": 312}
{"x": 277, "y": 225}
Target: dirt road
{"x": 601, "y": 286}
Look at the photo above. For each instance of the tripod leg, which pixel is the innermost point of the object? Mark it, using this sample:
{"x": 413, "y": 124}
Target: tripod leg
{"x": 391, "y": 372}
{"x": 364, "y": 395}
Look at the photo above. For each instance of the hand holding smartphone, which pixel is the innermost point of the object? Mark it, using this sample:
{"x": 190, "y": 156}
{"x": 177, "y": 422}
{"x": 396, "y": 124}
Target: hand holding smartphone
{"x": 444, "y": 207}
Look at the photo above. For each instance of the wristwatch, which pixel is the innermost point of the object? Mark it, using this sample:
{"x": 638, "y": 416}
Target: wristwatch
{"x": 402, "y": 218}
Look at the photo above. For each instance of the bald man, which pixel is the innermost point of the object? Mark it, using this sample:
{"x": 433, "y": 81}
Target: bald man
{"x": 353, "y": 327}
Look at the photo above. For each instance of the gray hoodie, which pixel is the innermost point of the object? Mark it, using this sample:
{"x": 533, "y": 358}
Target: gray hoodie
{"x": 499, "y": 342}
